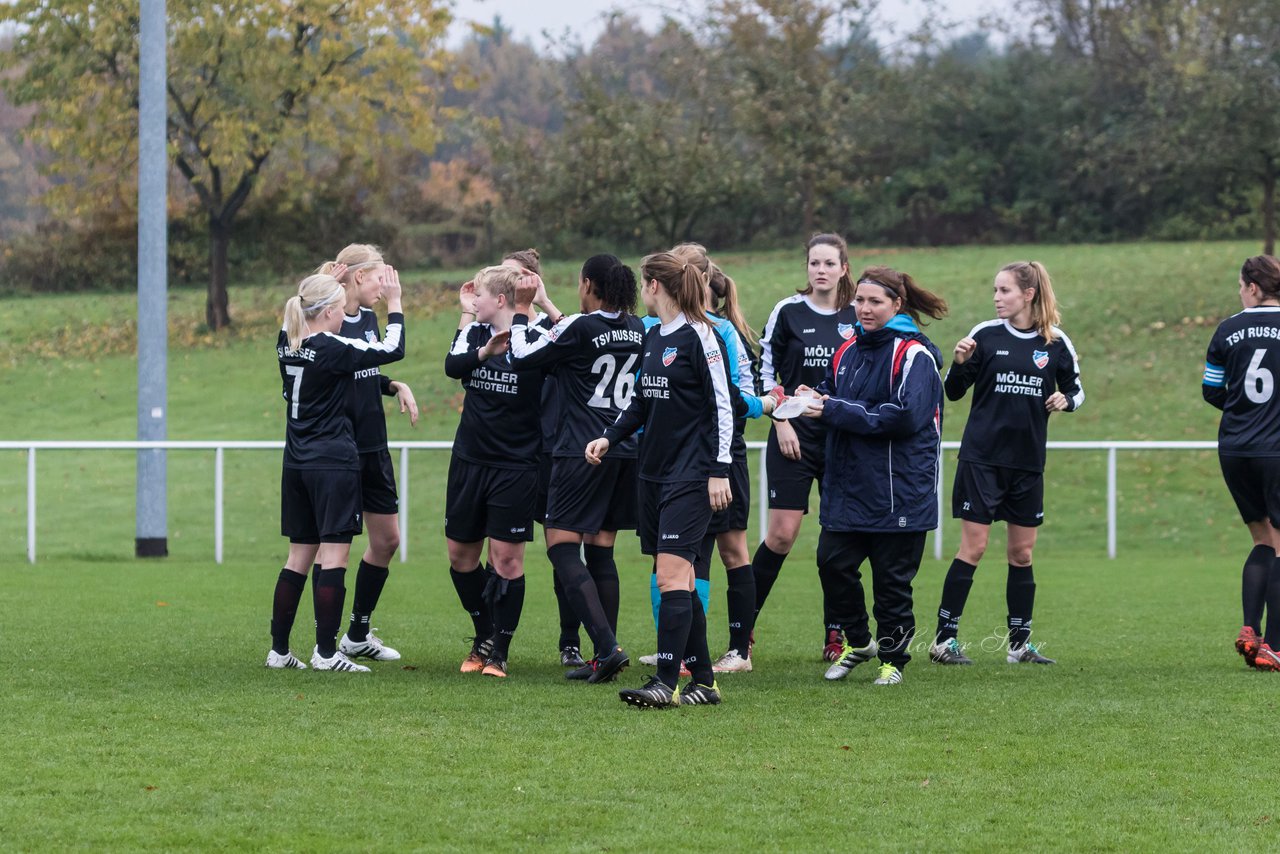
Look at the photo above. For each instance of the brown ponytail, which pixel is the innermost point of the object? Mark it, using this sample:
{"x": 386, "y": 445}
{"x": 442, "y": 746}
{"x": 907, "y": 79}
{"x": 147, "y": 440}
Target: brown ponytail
{"x": 915, "y": 299}
{"x": 1263, "y": 271}
{"x": 1031, "y": 275}
{"x": 683, "y": 282}
{"x": 724, "y": 299}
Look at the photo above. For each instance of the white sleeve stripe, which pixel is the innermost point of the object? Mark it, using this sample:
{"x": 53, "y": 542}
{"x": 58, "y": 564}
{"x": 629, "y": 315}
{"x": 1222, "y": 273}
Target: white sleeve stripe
{"x": 720, "y": 386}
{"x": 460, "y": 345}
{"x": 767, "y": 378}
{"x": 521, "y": 347}
{"x": 389, "y": 344}
{"x": 1078, "y": 397}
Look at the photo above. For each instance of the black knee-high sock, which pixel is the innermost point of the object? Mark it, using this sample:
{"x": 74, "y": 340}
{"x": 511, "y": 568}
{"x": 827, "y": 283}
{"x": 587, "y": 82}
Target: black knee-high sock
{"x": 328, "y": 593}
{"x": 675, "y": 616}
{"x": 369, "y": 582}
{"x": 507, "y": 598}
{"x": 1253, "y": 584}
{"x": 1020, "y": 595}
{"x": 470, "y": 587}
{"x": 955, "y": 592}
{"x": 697, "y": 657}
{"x": 568, "y": 619}
{"x": 765, "y": 565}
{"x": 1272, "y": 637}
{"x": 702, "y": 571}
{"x": 284, "y": 607}
{"x": 741, "y": 608}
{"x": 583, "y": 595}
{"x": 604, "y": 572}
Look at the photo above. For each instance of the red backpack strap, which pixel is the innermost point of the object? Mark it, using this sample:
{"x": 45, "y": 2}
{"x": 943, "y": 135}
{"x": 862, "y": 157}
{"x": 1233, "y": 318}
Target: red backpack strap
{"x": 835, "y": 360}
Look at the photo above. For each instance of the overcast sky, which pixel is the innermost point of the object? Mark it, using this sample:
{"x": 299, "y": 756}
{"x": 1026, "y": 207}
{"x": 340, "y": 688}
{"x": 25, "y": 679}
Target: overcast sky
{"x": 529, "y": 18}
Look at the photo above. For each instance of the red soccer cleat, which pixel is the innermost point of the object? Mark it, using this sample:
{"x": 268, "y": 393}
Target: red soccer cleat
{"x": 1266, "y": 658}
{"x": 1247, "y": 644}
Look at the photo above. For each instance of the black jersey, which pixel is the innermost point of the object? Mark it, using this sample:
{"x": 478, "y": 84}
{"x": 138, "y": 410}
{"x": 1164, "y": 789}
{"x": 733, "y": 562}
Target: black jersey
{"x": 685, "y": 404}
{"x": 595, "y": 358}
{"x": 1240, "y": 379}
{"x": 319, "y": 389}
{"x": 501, "y": 422}
{"x": 369, "y": 419}
{"x": 796, "y": 348}
{"x": 1013, "y": 371}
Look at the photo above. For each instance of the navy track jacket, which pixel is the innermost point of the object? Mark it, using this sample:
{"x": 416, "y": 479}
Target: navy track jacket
{"x": 884, "y": 431}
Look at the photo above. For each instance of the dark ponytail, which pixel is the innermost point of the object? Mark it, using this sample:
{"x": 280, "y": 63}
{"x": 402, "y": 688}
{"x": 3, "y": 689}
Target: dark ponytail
{"x": 612, "y": 282}
{"x": 915, "y": 299}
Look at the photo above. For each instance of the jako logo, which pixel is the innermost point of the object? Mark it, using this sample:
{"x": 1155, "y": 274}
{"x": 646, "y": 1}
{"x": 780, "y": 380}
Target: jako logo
{"x": 670, "y": 536}
{"x": 668, "y": 356}
{"x": 807, "y": 331}
{"x": 517, "y": 530}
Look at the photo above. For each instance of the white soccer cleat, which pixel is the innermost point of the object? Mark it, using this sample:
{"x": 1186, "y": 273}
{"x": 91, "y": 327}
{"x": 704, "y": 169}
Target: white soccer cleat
{"x": 339, "y": 663}
{"x": 651, "y": 660}
{"x": 850, "y": 658}
{"x": 288, "y": 661}
{"x": 731, "y": 662}
{"x": 889, "y": 675}
{"x": 371, "y": 647}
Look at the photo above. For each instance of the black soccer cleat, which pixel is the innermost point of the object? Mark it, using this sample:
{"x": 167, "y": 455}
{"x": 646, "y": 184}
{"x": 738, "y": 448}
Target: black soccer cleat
{"x": 582, "y": 673}
{"x": 695, "y": 694}
{"x": 610, "y": 666}
{"x": 571, "y": 656}
{"x": 654, "y": 695}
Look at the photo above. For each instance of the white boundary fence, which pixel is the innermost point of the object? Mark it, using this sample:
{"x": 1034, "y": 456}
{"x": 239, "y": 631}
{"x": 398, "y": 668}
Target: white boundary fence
{"x": 220, "y": 449}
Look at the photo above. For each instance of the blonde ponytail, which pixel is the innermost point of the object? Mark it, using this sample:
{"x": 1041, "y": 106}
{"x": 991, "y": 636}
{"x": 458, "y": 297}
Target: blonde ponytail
{"x": 1044, "y": 305}
{"x": 315, "y": 293}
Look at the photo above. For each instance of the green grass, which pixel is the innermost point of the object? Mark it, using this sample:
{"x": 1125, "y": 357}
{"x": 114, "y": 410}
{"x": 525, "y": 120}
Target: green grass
{"x": 132, "y": 724}
{"x": 136, "y": 717}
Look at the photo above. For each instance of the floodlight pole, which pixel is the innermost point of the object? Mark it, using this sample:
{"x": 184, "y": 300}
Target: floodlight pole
{"x": 151, "y": 534}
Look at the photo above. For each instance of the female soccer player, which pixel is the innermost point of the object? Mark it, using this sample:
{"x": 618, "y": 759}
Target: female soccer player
{"x": 569, "y": 646}
{"x": 320, "y": 483}
{"x": 363, "y": 279}
{"x": 882, "y": 403}
{"x": 1022, "y": 368}
{"x": 803, "y": 332}
{"x": 1240, "y": 379}
{"x": 727, "y": 530}
{"x": 685, "y": 408}
{"x": 594, "y": 355}
{"x": 493, "y": 475}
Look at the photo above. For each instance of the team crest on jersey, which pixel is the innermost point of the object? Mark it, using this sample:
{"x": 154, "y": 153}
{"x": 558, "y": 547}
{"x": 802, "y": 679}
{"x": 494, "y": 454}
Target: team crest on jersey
{"x": 845, "y": 330}
{"x": 668, "y": 356}
{"x": 1040, "y": 357}
{"x": 371, "y": 336}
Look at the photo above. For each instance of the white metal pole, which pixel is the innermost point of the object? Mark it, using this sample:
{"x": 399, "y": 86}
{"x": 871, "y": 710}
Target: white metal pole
{"x": 404, "y": 504}
{"x": 1111, "y": 503}
{"x": 31, "y": 505}
{"x": 217, "y": 504}
{"x": 937, "y": 534}
{"x": 763, "y": 511}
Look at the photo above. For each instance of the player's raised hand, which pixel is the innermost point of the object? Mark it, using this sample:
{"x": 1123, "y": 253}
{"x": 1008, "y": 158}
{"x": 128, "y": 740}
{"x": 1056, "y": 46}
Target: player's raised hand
{"x": 391, "y": 288}
{"x": 339, "y": 270}
{"x": 528, "y": 289}
{"x": 964, "y": 349}
{"x": 467, "y": 297}
{"x": 596, "y": 450}
{"x": 407, "y": 402}
{"x": 495, "y": 346}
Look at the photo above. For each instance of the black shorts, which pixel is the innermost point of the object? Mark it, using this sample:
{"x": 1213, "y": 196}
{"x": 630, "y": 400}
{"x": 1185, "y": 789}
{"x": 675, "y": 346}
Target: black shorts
{"x": 320, "y": 505}
{"x": 589, "y": 499}
{"x": 1254, "y": 484}
{"x": 544, "y": 484}
{"x": 378, "y": 483}
{"x": 734, "y": 517}
{"x": 986, "y": 494}
{"x": 674, "y": 517}
{"x": 486, "y": 501}
{"x": 791, "y": 481}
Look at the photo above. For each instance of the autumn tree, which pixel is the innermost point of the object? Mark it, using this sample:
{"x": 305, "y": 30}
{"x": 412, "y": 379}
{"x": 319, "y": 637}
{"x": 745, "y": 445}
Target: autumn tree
{"x": 253, "y": 86}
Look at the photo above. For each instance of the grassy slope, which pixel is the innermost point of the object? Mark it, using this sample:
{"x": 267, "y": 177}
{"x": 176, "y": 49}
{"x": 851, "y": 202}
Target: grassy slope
{"x": 135, "y": 724}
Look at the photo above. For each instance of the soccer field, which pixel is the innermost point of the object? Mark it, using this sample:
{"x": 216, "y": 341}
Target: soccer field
{"x": 136, "y": 713}
{"x": 136, "y": 716}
